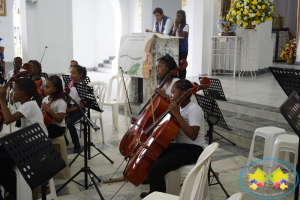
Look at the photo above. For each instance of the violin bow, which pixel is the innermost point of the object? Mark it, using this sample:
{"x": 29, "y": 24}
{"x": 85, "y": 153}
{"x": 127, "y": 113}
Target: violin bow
{"x": 126, "y": 91}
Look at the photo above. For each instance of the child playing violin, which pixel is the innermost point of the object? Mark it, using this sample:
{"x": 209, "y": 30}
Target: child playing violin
{"x": 189, "y": 141}
{"x": 78, "y": 73}
{"x": 29, "y": 113}
{"x": 35, "y": 74}
{"x": 54, "y": 106}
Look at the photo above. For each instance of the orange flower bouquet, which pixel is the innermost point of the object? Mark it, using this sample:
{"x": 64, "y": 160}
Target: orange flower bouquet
{"x": 289, "y": 50}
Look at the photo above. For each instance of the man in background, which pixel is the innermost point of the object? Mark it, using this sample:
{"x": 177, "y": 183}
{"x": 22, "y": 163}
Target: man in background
{"x": 163, "y": 24}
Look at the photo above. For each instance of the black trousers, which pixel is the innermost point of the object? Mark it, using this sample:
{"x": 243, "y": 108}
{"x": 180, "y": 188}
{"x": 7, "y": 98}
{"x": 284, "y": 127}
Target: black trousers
{"x": 182, "y": 73}
{"x": 175, "y": 156}
{"x": 7, "y": 174}
{"x": 55, "y": 131}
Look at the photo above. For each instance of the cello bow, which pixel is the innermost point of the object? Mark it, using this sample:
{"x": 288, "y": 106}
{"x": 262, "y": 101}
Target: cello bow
{"x": 126, "y": 90}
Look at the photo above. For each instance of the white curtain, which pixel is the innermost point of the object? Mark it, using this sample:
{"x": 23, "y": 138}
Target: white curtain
{"x": 288, "y": 10}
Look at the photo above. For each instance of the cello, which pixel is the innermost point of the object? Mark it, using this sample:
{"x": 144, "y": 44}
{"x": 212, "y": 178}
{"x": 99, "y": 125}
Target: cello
{"x": 145, "y": 119}
{"x": 14, "y": 78}
{"x": 164, "y": 131}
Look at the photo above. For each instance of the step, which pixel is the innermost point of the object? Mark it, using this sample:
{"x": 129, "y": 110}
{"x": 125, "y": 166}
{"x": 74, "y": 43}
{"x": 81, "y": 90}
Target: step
{"x": 111, "y": 57}
{"x": 100, "y": 64}
{"x": 107, "y": 65}
{"x": 104, "y": 70}
{"x": 251, "y": 123}
{"x": 252, "y": 109}
{"x": 105, "y": 61}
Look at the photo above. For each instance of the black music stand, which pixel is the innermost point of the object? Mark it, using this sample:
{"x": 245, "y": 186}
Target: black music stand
{"x": 86, "y": 94}
{"x": 290, "y": 109}
{"x": 34, "y": 155}
{"x": 215, "y": 90}
{"x": 86, "y": 169}
{"x": 288, "y": 79}
{"x": 213, "y": 116}
{"x": 67, "y": 80}
{"x": 45, "y": 75}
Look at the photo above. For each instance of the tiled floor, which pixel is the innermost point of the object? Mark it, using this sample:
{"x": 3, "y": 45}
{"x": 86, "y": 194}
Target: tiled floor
{"x": 227, "y": 160}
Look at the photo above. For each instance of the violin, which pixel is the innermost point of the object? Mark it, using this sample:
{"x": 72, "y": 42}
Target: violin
{"x": 14, "y": 78}
{"x": 161, "y": 134}
{"x": 146, "y": 118}
{"x": 47, "y": 117}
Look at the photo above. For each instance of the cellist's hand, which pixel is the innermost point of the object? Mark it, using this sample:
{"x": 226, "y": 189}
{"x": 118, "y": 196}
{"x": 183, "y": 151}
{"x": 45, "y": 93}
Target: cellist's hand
{"x": 2, "y": 93}
{"x": 175, "y": 109}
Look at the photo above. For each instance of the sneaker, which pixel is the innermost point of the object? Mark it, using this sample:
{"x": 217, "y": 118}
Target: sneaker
{"x": 144, "y": 194}
{"x": 77, "y": 148}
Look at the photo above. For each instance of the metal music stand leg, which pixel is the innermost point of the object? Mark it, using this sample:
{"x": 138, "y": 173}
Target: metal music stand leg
{"x": 210, "y": 135}
{"x": 86, "y": 169}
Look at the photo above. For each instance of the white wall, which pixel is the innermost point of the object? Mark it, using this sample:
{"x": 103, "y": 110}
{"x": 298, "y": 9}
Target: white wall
{"x": 49, "y": 25}
{"x": 84, "y": 32}
{"x": 7, "y": 33}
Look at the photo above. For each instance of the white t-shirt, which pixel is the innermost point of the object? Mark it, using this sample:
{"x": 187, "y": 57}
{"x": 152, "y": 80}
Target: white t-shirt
{"x": 32, "y": 114}
{"x": 58, "y": 106}
{"x": 168, "y": 26}
{"x": 186, "y": 29}
{"x": 11, "y": 72}
{"x": 74, "y": 95}
{"x": 2, "y": 44}
{"x": 194, "y": 116}
{"x": 168, "y": 90}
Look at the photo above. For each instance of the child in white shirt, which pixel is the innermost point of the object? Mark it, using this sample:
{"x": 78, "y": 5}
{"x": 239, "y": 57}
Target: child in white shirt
{"x": 55, "y": 106}
{"x": 29, "y": 113}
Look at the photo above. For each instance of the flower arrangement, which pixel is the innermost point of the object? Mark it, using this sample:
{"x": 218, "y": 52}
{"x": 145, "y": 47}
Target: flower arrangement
{"x": 289, "y": 50}
{"x": 250, "y": 12}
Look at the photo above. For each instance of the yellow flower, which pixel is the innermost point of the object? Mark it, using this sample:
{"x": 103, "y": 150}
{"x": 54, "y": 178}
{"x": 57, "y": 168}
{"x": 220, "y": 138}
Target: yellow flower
{"x": 254, "y": 2}
{"x": 270, "y": 18}
{"x": 257, "y": 21}
{"x": 231, "y": 9}
{"x": 238, "y": 21}
{"x": 231, "y": 19}
{"x": 258, "y": 13}
{"x": 246, "y": 12}
{"x": 247, "y": 1}
{"x": 245, "y": 24}
{"x": 238, "y": 5}
{"x": 263, "y": 6}
{"x": 253, "y": 7}
{"x": 241, "y": 9}
{"x": 237, "y": 12}
{"x": 227, "y": 17}
{"x": 272, "y": 8}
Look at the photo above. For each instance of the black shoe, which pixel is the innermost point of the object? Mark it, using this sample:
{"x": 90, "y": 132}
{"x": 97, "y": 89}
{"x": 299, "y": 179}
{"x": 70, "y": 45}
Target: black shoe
{"x": 144, "y": 194}
{"x": 77, "y": 148}
{"x": 146, "y": 181}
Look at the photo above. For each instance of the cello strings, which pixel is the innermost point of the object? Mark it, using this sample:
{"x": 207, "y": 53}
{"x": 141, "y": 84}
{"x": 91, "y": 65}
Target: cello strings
{"x": 117, "y": 169}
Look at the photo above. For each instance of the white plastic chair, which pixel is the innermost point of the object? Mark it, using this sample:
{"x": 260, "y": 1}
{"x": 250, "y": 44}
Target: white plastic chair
{"x": 100, "y": 89}
{"x": 24, "y": 192}
{"x": 194, "y": 184}
{"x": 236, "y": 196}
{"x": 120, "y": 98}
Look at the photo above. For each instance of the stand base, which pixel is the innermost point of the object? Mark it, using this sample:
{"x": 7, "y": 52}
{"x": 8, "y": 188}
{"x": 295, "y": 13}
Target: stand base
{"x": 217, "y": 178}
{"x": 91, "y": 174}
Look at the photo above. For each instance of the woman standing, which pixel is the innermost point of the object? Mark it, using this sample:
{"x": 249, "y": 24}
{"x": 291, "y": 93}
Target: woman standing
{"x": 181, "y": 29}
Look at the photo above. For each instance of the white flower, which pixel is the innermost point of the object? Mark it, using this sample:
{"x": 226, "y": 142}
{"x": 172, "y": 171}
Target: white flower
{"x": 245, "y": 18}
{"x": 263, "y": 14}
{"x": 259, "y": 1}
{"x": 246, "y": 7}
{"x": 233, "y": 12}
{"x": 262, "y": 19}
{"x": 238, "y": 17}
{"x": 253, "y": 22}
{"x": 259, "y": 7}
